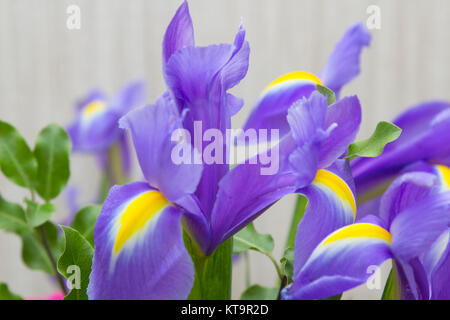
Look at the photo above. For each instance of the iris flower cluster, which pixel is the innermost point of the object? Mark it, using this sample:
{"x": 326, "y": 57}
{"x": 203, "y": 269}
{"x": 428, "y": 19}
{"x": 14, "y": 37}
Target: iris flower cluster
{"x": 359, "y": 213}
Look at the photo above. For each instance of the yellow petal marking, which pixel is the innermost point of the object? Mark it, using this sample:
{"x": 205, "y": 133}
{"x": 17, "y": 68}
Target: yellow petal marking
{"x": 359, "y": 230}
{"x": 136, "y": 216}
{"x": 93, "y": 107}
{"x": 297, "y": 75}
{"x": 335, "y": 183}
{"x": 444, "y": 173}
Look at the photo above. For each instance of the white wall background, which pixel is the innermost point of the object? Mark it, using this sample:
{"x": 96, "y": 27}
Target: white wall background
{"x": 44, "y": 68}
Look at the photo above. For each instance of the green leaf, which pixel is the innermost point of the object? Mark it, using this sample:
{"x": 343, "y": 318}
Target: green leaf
{"x": 52, "y": 153}
{"x": 5, "y": 294}
{"x": 287, "y": 263}
{"x": 257, "y": 292}
{"x": 17, "y": 162}
{"x": 327, "y": 93}
{"x": 212, "y": 273}
{"x": 78, "y": 253}
{"x": 12, "y": 218}
{"x": 34, "y": 253}
{"x": 384, "y": 133}
{"x": 249, "y": 238}
{"x": 297, "y": 216}
{"x": 85, "y": 220}
{"x": 37, "y": 214}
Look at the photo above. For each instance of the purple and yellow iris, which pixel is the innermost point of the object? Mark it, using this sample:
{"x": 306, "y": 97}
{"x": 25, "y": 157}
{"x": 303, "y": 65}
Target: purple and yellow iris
{"x": 139, "y": 250}
{"x": 95, "y": 130}
{"x": 96, "y": 127}
{"x": 412, "y": 228}
{"x": 423, "y": 139}
{"x": 342, "y": 66}
{"x": 421, "y": 148}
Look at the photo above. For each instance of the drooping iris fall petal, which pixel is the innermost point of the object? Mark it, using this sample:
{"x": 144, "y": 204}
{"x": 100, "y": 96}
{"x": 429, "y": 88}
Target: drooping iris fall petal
{"x": 139, "y": 249}
{"x": 340, "y": 262}
{"x": 417, "y": 216}
{"x": 331, "y": 205}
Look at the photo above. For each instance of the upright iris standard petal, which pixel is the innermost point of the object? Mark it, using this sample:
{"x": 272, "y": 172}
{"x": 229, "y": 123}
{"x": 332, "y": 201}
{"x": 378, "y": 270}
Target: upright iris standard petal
{"x": 322, "y": 133}
{"x": 340, "y": 262}
{"x": 331, "y": 205}
{"x": 345, "y": 114}
{"x": 424, "y": 128}
{"x": 139, "y": 249}
{"x": 343, "y": 65}
{"x": 179, "y": 33}
{"x": 306, "y": 120}
{"x": 198, "y": 79}
{"x": 152, "y": 128}
{"x": 271, "y": 109}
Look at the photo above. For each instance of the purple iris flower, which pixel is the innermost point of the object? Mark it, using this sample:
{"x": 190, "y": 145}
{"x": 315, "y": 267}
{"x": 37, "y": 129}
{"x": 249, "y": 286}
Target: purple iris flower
{"x": 139, "y": 251}
{"x": 342, "y": 66}
{"x": 96, "y": 127}
{"x": 412, "y": 229}
{"x": 425, "y": 128}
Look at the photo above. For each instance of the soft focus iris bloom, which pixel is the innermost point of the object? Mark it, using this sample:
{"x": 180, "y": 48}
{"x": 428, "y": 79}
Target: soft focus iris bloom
{"x": 96, "y": 128}
{"x": 139, "y": 249}
{"x": 412, "y": 230}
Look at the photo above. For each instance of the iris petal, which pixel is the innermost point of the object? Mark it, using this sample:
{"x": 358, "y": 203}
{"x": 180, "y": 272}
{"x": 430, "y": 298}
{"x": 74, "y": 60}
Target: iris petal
{"x": 152, "y": 128}
{"x": 179, "y": 33}
{"x": 343, "y": 64}
{"x": 340, "y": 262}
{"x": 271, "y": 109}
{"x": 139, "y": 249}
{"x": 331, "y": 205}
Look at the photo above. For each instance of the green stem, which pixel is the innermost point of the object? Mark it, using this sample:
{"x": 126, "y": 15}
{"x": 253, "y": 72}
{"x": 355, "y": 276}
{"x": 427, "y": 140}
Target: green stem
{"x": 247, "y": 269}
{"x": 114, "y": 169}
{"x": 283, "y": 284}
{"x": 212, "y": 273}
{"x": 392, "y": 287}
{"x": 297, "y": 216}
{"x": 264, "y": 252}
{"x": 48, "y": 251}
{"x": 58, "y": 276}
